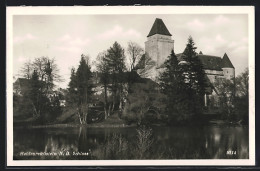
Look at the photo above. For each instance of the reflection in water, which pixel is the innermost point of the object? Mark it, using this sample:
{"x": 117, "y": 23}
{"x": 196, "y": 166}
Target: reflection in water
{"x": 120, "y": 143}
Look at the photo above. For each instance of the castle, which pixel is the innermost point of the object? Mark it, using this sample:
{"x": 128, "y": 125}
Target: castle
{"x": 158, "y": 47}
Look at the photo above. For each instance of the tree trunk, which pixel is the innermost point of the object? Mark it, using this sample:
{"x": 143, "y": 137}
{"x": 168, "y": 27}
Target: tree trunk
{"x": 105, "y": 105}
{"x": 79, "y": 113}
{"x": 105, "y": 109}
{"x": 113, "y": 104}
{"x": 36, "y": 113}
{"x": 109, "y": 110}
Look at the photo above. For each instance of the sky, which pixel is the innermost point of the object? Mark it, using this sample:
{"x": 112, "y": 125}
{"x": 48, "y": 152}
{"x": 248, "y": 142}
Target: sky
{"x": 66, "y": 37}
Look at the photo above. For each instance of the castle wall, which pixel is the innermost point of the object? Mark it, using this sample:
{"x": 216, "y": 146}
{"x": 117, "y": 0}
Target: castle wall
{"x": 165, "y": 48}
{"x": 229, "y": 73}
{"x": 159, "y": 47}
{"x": 213, "y": 74}
{"x": 151, "y": 49}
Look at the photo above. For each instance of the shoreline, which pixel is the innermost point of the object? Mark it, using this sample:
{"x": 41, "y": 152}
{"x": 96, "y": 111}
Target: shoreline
{"x": 115, "y": 125}
{"x": 75, "y": 125}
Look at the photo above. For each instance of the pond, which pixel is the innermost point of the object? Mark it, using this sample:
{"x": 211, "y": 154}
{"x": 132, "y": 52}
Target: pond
{"x": 158, "y": 142}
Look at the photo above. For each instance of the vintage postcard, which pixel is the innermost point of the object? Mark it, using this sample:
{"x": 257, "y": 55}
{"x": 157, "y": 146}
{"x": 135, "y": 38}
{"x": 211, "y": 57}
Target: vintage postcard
{"x": 131, "y": 85}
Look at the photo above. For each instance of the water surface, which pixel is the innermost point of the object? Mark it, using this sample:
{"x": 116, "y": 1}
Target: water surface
{"x": 81, "y": 143}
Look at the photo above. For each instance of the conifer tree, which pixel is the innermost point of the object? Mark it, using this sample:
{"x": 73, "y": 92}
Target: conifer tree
{"x": 115, "y": 60}
{"x": 38, "y": 100}
{"x": 71, "y": 98}
{"x": 34, "y": 93}
{"x": 173, "y": 86}
{"x": 195, "y": 75}
{"x": 103, "y": 69}
{"x": 84, "y": 88}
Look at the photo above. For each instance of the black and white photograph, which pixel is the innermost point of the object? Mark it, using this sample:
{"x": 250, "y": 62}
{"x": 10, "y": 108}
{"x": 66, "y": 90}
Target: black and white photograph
{"x": 137, "y": 85}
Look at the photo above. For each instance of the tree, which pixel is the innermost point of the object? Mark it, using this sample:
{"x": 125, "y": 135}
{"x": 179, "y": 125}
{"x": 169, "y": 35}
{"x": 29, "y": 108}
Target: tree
{"x": 115, "y": 59}
{"x": 35, "y": 94}
{"x": 104, "y": 70}
{"x": 40, "y": 103}
{"x": 46, "y": 68}
{"x": 242, "y": 96}
{"x": 27, "y": 69}
{"x": 242, "y": 82}
{"x": 47, "y": 71}
{"x": 145, "y": 64}
{"x": 135, "y": 53}
{"x": 172, "y": 84}
{"x": 195, "y": 77}
{"x": 233, "y": 97}
{"x": 225, "y": 91}
{"x": 84, "y": 89}
{"x": 71, "y": 97}
{"x": 38, "y": 89}
{"x": 143, "y": 100}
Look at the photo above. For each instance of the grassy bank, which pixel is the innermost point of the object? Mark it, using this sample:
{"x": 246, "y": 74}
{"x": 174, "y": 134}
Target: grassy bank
{"x": 111, "y": 122}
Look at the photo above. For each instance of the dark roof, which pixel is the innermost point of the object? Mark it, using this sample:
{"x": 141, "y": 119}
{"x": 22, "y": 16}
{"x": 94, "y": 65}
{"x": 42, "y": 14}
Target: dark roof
{"x": 159, "y": 28}
{"x": 226, "y": 63}
{"x": 211, "y": 62}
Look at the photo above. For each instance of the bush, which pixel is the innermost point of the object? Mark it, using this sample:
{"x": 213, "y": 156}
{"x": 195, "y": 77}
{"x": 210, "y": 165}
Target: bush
{"x": 143, "y": 103}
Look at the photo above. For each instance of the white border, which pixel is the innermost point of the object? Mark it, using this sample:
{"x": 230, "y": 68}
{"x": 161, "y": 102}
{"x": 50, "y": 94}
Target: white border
{"x": 77, "y": 10}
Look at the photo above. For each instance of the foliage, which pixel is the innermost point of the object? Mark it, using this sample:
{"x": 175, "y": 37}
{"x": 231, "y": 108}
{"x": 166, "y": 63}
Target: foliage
{"x": 225, "y": 89}
{"x": 71, "y": 97}
{"x": 104, "y": 70}
{"x": 22, "y": 107}
{"x": 173, "y": 86}
{"x": 242, "y": 96}
{"x": 145, "y": 65}
{"x": 116, "y": 147}
{"x": 80, "y": 89}
{"x": 195, "y": 77}
{"x": 144, "y": 141}
{"x": 114, "y": 61}
{"x": 38, "y": 97}
{"x": 183, "y": 83}
{"x": 135, "y": 52}
{"x": 45, "y": 67}
{"x": 144, "y": 99}
{"x": 242, "y": 83}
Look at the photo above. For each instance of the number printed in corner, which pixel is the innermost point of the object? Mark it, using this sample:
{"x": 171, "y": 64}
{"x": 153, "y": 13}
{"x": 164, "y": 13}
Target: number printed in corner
{"x": 229, "y": 152}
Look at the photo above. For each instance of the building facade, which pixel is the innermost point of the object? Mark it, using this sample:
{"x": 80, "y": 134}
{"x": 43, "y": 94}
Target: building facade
{"x": 158, "y": 47}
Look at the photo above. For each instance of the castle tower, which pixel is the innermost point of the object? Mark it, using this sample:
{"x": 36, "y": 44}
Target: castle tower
{"x": 227, "y": 67}
{"x": 159, "y": 43}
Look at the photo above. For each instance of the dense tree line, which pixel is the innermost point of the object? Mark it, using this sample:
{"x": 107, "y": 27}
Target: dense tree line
{"x": 38, "y": 99}
{"x": 233, "y": 97}
{"x": 115, "y": 77}
{"x": 184, "y": 84}
{"x": 176, "y": 98}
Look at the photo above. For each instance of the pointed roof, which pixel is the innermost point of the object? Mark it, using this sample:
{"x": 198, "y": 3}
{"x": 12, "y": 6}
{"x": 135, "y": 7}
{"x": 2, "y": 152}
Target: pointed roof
{"x": 226, "y": 63}
{"x": 159, "y": 28}
{"x": 211, "y": 62}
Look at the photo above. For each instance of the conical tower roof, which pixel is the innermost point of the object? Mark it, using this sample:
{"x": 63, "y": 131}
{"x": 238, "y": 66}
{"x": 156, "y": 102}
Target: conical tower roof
{"x": 159, "y": 28}
{"x": 226, "y": 63}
